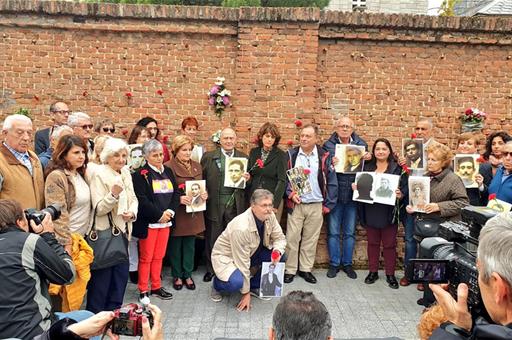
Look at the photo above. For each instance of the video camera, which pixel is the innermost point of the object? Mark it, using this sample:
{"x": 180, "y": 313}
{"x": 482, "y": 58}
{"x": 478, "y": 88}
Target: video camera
{"x": 451, "y": 257}
{"x": 38, "y": 215}
{"x": 128, "y": 319}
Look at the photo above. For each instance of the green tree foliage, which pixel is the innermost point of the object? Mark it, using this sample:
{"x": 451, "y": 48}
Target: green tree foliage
{"x": 447, "y": 8}
{"x": 23, "y": 111}
{"x": 239, "y": 3}
{"x": 295, "y": 3}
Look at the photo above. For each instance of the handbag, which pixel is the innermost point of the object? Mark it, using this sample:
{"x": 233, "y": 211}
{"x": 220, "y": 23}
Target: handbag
{"x": 426, "y": 226}
{"x": 110, "y": 246}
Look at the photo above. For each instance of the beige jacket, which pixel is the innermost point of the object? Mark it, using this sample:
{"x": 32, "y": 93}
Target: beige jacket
{"x": 239, "y": 241}
{"x": 101, "y": 183}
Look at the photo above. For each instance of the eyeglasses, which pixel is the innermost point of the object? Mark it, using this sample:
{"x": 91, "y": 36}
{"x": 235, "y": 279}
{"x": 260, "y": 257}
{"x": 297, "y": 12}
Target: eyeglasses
{"x": 87, "y": 126}
{"x": 111, "y": 130}
{"x": 62, "y": 112}
{"x": 345, "y": 127}
{"x": 506, "y": 154}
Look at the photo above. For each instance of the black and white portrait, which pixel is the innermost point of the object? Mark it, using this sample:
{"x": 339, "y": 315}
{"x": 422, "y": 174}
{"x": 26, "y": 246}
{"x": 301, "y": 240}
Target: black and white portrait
{"x": 413, "y": 152}
{"x": 234, "y": 172}
{"x": 419, "y": 192}
{"x": 385, "y": 188}
{"x": 272, "y": 275}
{"x": 136, "y": 159}
{"x": 466, "y": 167}
{"x": 194, "y": 190}
{"x": 350, "y": 158}
{"x": 364, "y": 187}
{"x": 299, "y": 180}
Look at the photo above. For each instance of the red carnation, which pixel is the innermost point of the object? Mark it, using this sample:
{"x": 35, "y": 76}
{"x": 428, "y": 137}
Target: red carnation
{"x": 492, "y": 197}
{"x": 181, "y": 186}
{"x": 289, "y": 143}
{"x": 144, "y": 172}
{"x": 406, "y": 169}
{"x": 124, "y": 132}
{"x": 165, "y": 139}
{"x": 275, "y": 255}
{"x": 128, "y": 95}
{"x": 85, "y": 93}
{"x": 259, "y": 162}
{"x": 307, "y": 171}
{"x": 36, "y": 98}
{"x": 413, "y": 135}
{"x": 160, "y": 92}
{"x": 468, "y": 111}
{"x": 298, "y": 123}
{"x": 481, "y": 159}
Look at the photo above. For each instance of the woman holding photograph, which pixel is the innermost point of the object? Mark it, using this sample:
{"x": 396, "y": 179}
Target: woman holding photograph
{"x": 447, "y": 195}
{"x": 467, "y": 144}
{"x": 181, "y": 248}
{"x": 272, "y": 176}
{"x": 379, "y": 219}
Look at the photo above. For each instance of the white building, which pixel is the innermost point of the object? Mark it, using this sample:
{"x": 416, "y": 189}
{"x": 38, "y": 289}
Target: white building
{"x": 381, "y": 6}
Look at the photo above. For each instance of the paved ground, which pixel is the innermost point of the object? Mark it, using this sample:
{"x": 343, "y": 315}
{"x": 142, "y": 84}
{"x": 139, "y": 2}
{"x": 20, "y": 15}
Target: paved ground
{"x": 357, "y": 310}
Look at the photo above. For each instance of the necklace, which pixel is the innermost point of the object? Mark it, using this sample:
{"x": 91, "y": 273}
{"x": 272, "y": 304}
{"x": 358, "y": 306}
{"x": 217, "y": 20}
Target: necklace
{"x": 264, "y": 154}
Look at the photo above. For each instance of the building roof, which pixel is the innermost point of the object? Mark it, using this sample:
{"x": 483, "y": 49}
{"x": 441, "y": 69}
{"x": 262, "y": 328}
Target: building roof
{"x": 486, "y": 7}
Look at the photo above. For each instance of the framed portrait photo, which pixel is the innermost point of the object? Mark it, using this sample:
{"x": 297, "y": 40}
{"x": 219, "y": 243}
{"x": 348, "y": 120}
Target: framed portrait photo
{"x": 194, "y": 189}
{"x": 350, "y": 158}
{"x": 299, "y": 180}
{"x": 414, "y": 153}
{"x": 136, "y": 159}
{"x": 385, "y": 188}
{"x": 234, "y": 170}
{"x": 466, "y": 167}
{"x": 365, "y": 186}
{"x": 272, "y": 278}
{"x": 419, "y": 192}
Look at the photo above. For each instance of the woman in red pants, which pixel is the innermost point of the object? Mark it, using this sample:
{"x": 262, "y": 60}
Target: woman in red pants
{"x": 157, "y": 192}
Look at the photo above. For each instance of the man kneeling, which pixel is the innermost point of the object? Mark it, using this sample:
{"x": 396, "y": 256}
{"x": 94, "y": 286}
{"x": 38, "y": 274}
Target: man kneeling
{"x": 249, "y": 239}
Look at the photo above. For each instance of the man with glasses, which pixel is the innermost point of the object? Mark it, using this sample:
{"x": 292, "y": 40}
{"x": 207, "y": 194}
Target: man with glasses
{"x": 21, "y": 173}
{"x": 342, "y": 219}
{"x": 59, "y": 113}
{"x": 82, "y": 126}
{"x": 250, "y": 239}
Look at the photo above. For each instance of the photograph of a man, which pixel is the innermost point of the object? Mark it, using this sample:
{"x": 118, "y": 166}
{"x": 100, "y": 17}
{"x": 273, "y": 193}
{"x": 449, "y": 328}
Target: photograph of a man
{"x": 196, "y": 191}
{"x": 353, "y": 158}
{"x": 466, "y": 168}
{"x": 235, "y": 169}
{"x": 363, "y": 187}
{"x": 136, "y": 159}
{"x": 384, "y": 189}
{"x": 413, "y": 151}
{"x": 272, "y": 279}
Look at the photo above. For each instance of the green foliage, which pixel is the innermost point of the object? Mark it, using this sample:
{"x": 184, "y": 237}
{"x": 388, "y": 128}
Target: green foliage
{"x": 447, "y": 8}
{"x": 23, "y": 111}
{"x": 239, "y": 3}
{"x": 295, "y": 3}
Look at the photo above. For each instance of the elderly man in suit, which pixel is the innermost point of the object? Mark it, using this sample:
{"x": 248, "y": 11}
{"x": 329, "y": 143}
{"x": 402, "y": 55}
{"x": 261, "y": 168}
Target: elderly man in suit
{"x": 59, "y": 112}
{"x": 224, "y": 203}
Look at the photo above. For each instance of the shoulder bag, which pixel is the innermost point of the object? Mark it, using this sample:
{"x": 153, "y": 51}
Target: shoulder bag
{"x": 110, "y": 246}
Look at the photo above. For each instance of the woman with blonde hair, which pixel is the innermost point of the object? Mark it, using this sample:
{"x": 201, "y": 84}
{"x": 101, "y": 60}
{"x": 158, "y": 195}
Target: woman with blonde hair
{"x": 182, "y": 240}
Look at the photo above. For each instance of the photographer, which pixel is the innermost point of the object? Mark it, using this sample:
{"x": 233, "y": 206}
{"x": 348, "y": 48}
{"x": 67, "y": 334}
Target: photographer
{"x": 29, "y": 261}
{"x": 495, "y": 283}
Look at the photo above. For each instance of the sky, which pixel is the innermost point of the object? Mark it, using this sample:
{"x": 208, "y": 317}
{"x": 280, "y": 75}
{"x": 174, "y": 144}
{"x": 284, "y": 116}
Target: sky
{"x": 433, "y": 6}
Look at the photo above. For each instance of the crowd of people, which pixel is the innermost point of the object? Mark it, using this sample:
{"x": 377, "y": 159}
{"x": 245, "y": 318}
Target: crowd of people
{"x": 146, "y": 205}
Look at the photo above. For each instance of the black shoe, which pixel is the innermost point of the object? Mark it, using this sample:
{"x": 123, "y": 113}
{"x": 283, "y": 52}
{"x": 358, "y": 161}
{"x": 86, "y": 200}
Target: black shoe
{"x": 190, "y": 286}
{"x": 350, "y": 272}
{"x": 371, "y": 278}
{"x": 333, "y": 271}
{"x": 307, "y": 276}
{"x": 134, "y": 277}
{"x": 392, "y": 282}
{"x": 288, "y": 278}
{"x": 421, "y": 302}
{"x": 208, "y": 277}
{"x": 162, "y": 293}
{"x": 176, "y": 285}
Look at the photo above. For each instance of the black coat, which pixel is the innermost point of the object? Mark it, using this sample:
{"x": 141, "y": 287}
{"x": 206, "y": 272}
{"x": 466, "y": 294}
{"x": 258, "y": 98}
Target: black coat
{"x": 271, "y": 177}
{"x": 148, "y": 211}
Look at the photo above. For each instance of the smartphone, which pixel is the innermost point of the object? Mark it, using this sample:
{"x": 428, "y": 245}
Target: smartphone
{"x": 428, "y": 271}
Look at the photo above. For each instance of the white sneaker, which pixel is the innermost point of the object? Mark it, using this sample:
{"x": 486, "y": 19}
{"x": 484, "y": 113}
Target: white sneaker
{"x": 215, "y": 295}
{"x": 256, "y": 293}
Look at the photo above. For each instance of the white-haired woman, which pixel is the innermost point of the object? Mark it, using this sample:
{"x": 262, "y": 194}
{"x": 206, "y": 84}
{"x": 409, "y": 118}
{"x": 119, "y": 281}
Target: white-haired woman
{"x": 112, "y": 194}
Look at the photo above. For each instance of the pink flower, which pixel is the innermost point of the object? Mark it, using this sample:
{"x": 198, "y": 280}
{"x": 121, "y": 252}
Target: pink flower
{"x": 259, "y": 162}
{"x": 225, "y": 100}
{"x": 214, "y": 90}
{"x": 307, "y": 171}
{"x": 211, "y": 101}
{"x": 298, "y": 123}
{"x": 144, "y": 172}
{"x": 160, "y": 92}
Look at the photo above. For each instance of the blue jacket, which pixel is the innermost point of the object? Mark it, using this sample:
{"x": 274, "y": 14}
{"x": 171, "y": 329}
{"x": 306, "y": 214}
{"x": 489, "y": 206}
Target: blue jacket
{"x": 326, "y": 178}
{"x": 344, "y": 180}
{"x": 503, "y": 190}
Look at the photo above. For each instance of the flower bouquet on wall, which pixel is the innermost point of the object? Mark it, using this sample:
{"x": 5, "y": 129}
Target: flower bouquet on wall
{"x": 472, "y": 120}
{"x": 219, "y": 96}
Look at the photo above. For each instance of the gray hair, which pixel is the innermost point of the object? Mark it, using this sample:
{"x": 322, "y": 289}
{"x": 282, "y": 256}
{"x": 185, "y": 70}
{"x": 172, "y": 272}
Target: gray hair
{"x": 59, "y": 130}
{"x": 150, "y": 146}
{"x": 75, "y": 118}
{"x": 427, "y": 120}
{"x": 9, "y": 121}
{"x": 495, "y": 248}
{"x": 227, "y": 129}
{"x": 112, "y": 146}
{"x": 260, "y": 194}
{"x": 300, "y": 315}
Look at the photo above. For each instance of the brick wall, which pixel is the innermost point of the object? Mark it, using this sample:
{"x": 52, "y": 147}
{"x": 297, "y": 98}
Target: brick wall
{"x": 280, "y": 64}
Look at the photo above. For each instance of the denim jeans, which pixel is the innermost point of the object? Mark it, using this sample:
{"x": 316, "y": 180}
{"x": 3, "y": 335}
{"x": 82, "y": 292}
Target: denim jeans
{"x": 342, "y": 220}
{"x": 411, "y": 245}
{"x": 234, "y": 283}
{"x": 77, "y": 315}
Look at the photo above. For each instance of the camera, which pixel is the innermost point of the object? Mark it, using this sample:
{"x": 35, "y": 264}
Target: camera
{"x": 38, "y": 215}
{"x": 128, "y": 320}
{"x": 451, "y": 257}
